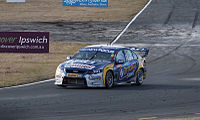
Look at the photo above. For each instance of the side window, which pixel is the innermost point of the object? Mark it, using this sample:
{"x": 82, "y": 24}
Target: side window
{"x": 134, "y": 55}
{"x": 120, "y": 56}
{"x": 128, "y": 55}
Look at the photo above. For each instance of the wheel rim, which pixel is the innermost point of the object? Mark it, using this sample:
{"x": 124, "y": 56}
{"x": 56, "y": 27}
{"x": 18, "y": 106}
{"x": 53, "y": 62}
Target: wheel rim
{"x": 140, "y": 77}
{"x": 109, "y": 79}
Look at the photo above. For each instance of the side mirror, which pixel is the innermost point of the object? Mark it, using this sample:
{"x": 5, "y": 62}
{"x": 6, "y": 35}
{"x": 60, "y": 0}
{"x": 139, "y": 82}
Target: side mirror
{"x": 69, "y": 57}
{"x": 120, "y": 61}
{"x": 143, "y": 55}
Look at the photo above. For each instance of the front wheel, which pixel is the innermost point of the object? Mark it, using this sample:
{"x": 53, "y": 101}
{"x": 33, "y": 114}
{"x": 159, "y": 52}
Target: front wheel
{"x": 140, "y": 77}
{"x": 109, "y": 79}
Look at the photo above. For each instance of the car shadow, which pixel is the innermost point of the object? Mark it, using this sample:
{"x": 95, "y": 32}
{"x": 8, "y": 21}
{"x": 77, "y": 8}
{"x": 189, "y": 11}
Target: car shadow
{"x": 134, "y": 87}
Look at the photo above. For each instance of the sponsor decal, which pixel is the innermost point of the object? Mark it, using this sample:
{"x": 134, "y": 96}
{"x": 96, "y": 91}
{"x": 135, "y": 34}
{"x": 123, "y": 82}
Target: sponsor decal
{"x": 112, "y": 56}
{"x": 24, "y": 42}
{"x": 83, "y": 61}
{"x": 98, "y": 50}
{"x": 125, "y": 72}
{"x": 82, "y": 66}
{"x": 86, "y": 3}
{"x": 74, "y": 75}
{"x": 97, "y": 77}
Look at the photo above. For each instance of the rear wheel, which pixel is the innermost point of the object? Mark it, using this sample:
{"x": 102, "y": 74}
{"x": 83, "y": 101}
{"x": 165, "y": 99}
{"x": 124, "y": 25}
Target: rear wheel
{"x": 140, "y": 77}
{"x": 109, "y": 79}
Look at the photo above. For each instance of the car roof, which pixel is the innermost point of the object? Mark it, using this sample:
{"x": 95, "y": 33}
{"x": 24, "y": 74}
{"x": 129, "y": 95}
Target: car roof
{"x": 107, "y": 47}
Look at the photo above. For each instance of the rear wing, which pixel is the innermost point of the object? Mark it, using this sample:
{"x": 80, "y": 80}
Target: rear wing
{"x": 143, "y": 52}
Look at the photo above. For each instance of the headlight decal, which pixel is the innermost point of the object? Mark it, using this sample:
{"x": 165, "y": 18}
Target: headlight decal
{"x": 59, "y": 72}
{"x": 94, "y": 77}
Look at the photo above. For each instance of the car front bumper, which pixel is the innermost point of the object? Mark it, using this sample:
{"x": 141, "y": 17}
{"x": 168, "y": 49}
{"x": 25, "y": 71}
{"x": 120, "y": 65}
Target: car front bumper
{"x": 88, "y": 80}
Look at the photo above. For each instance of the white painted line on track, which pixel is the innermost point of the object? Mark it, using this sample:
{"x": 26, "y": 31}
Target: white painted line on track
{"x": 148, "y": 118}
{"x": 156, "y": 45}
{"x": 29, "y": 84}
{"x": 127, "y": 26}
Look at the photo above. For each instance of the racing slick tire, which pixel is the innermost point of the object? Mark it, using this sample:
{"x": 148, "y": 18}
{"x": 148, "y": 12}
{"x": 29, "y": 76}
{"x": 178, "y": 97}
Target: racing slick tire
{"x": 109, "y": 79}
{"x": 139, "y": 78}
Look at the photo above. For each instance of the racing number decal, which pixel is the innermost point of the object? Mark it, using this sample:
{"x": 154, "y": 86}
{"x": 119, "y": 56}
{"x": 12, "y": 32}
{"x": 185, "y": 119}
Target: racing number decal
{"x": 126, "y": 72}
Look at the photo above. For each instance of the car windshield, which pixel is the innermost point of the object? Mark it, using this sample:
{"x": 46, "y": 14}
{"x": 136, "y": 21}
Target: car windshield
{"x": 88, "y": 55}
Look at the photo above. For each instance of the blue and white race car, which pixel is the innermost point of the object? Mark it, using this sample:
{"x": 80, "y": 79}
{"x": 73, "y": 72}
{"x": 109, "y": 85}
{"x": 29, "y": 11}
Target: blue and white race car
{"x": 103, "y": 66}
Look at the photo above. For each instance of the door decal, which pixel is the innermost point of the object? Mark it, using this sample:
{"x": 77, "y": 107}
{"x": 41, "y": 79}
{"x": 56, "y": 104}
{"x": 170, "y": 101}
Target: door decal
{"x": 126, "y": 72}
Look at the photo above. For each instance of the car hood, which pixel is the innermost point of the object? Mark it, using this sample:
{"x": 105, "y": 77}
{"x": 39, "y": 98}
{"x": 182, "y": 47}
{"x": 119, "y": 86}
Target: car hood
{"x": 84, "y": 64}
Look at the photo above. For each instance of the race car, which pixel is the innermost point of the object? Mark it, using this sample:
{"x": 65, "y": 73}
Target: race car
{"x": 103, "y": 66}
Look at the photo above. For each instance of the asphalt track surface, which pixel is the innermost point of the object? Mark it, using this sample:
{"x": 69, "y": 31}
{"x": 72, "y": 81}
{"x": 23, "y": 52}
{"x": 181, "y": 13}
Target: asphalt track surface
{"x": 170, "y": 28}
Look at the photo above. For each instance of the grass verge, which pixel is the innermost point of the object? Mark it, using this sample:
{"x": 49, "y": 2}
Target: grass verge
{"x": 52, "y": 10}
{"x": 18, "y": 68}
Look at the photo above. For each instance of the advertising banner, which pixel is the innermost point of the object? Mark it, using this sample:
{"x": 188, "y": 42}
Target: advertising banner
{"x": 24, "y": 42}
{"x": 86, "y": 3}
{"x": 16, "y": 0}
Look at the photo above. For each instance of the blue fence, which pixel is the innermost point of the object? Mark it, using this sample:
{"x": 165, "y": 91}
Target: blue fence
{"x": 86, "y": 3}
